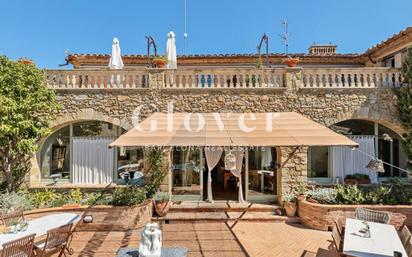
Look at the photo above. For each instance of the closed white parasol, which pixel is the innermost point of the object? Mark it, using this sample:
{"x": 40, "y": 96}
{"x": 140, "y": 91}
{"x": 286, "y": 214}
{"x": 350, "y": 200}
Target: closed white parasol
{"x": 116, "y": 61}
{"x": 171, "y": 51}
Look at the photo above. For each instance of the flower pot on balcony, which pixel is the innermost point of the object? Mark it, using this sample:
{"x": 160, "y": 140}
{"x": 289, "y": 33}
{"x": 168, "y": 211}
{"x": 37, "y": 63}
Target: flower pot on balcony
{"x": 291, "y": 62}
{"x": 290, "y": 209}
{"x": 160, "y": 63}
{"x": 161, "y": 207}
{"x": 26, "y": 61}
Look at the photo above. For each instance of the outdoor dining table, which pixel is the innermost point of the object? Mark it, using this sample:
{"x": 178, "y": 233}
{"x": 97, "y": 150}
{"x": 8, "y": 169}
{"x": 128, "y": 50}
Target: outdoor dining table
{"x": 383, "y": 240}
{"x": 41, "y": 225}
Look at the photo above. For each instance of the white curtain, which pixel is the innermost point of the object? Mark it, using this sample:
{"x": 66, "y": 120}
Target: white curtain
{"x": 239, "y": 154}
{"x": 266, "y": 157}
{"x": 93, "y": 161}
{"x": 213, "y": 155}
{"x": 347, "y": 161}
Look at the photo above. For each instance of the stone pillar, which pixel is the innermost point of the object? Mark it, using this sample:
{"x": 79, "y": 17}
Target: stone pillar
{"x": 34, "y": 176}
{"x": 156, "y": 78}
{"x": 293, "y": 79}
{"x": 294, "y": 170}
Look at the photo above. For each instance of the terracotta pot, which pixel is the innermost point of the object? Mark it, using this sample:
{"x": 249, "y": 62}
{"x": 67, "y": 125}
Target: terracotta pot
{"x": 160, "y": 63}
{"x": 364, "y": 181}
{"x": 291, "y": 62}
{"x": 161, "y": 207}
{"x": 301, "y": 197}
{"x": 290, "y": 208}
{"x": 351, "y": 181}
{"x": 27, "y": 62}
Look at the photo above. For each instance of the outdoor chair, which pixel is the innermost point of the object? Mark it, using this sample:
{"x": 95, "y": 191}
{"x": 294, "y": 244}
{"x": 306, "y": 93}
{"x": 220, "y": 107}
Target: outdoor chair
{"x": 372, "y": 216}
{"x": 57, "y": 241}
{"x": 337, "y": 240}
{"x": 408, "y": 249}
{"x": 405, "y": 236}
{"x": 9, "y": 218}
{"x": 22, "y": 247}
{"x": 340, "y": 225}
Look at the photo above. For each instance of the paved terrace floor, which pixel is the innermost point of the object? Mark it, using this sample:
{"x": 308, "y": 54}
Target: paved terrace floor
{"x": 217, "y": 239}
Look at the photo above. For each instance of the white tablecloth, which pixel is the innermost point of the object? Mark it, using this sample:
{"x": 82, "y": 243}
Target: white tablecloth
{"x": 384, "y": 240}
{"x": 41, "y": 225}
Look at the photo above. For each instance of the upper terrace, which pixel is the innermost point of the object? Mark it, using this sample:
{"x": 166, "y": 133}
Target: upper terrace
{"x": 377, "y": 67}
{"x": 228, "y": 77}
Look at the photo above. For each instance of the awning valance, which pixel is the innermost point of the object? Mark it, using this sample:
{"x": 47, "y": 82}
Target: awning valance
{"x": 231, "y": 129}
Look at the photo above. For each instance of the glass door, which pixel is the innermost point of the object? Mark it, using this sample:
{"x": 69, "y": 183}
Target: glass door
{"x": 187, "y": 175}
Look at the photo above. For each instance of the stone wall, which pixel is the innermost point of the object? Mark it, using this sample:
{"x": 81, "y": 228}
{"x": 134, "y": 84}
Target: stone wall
{"x": 294, "y": 170}
{"x": 326, "y": 106}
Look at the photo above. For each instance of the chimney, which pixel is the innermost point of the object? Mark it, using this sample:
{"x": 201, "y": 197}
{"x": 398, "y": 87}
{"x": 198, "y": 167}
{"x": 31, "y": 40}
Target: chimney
{"x": 322, "y": 49}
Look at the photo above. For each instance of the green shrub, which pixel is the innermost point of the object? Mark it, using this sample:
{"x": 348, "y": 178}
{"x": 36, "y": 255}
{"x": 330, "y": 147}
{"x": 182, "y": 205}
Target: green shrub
{"x": 44, "y": 198}
{"x": 128, "y": 196}
{"x": 349, "y": 195}
{"x": 97, "y": 199}
{"x": 161, "y": 196}
{"x": 14, "y": 201}
{"x": 75, "y": 196}
{"x": 323, "y": 195}
{"x": 377, "y": 195}
{"x": 59, "y": 201}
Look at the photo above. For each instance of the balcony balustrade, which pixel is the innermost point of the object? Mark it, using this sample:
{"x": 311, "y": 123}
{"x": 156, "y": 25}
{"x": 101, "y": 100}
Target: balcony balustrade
{"x": 217, "y": 78}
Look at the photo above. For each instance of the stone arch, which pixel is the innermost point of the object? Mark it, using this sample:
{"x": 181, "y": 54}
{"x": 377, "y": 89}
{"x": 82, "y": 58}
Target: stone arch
{"x": 88, "y": 114}
{"x": 65, "y": 120}
{"x": 391, "y": 122}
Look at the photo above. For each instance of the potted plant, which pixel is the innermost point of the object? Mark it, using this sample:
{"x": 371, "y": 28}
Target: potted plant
{"x": 160, "y": 61}
{"x": 289, "y": 203}
{"x": 362, "y": 178}
{"x": 302, "y": 191}
{"x": 350, "y": 180}
{"x": 161, "y": 202}
{"x": 291, "y": 62}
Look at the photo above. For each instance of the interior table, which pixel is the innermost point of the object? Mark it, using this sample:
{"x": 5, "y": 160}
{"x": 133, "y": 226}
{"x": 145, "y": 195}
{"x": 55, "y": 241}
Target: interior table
{"x": 383, "y": 240}
{"x": 41, "y": 225}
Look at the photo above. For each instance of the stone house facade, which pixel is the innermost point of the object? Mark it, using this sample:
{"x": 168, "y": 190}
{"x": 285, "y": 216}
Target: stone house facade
{"x": 352, "y": 91}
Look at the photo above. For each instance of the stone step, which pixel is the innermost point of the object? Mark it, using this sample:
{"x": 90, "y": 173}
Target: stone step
{"x": 185, "y": 217}
{"x": 229, "y": 206}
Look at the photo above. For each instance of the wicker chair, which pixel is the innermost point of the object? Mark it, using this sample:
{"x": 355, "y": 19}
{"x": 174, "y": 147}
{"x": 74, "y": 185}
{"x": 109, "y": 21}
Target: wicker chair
{"x": 405, "y": 236}
{"x": 57, "y": 241}
{"x": 22, "y": 247}
{"x": 9, "y": 218}
{"x": 372, "y": 216}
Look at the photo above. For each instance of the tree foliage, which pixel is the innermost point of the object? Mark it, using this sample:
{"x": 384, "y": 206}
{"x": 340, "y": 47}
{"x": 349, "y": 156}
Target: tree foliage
{"x": 26, "y": 108}
{"x": 405, "y": 104}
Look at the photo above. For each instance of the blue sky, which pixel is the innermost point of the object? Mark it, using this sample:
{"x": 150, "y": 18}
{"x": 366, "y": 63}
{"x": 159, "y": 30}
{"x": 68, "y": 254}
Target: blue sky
{"x": 42, "y": 30}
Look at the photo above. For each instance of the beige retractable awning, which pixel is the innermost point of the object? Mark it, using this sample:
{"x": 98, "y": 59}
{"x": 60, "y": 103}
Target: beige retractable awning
{"x": 231, "y": 129}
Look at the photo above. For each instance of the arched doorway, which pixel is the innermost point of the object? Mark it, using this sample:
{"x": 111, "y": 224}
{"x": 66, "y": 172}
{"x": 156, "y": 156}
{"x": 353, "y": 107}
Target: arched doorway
{"x": 374, "y": 138}
{"x": 78, "y": 153}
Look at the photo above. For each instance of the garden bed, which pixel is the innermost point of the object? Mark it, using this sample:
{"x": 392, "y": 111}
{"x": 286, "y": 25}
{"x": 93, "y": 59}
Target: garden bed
{"x": 322, "y": 216}
{"x": 105, "y": 217}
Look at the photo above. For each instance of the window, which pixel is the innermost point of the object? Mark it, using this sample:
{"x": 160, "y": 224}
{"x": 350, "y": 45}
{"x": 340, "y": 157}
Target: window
{"x": 262, "y": 171}
{"x": 55, "y": 154}
{"x": 318, "y": 162}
